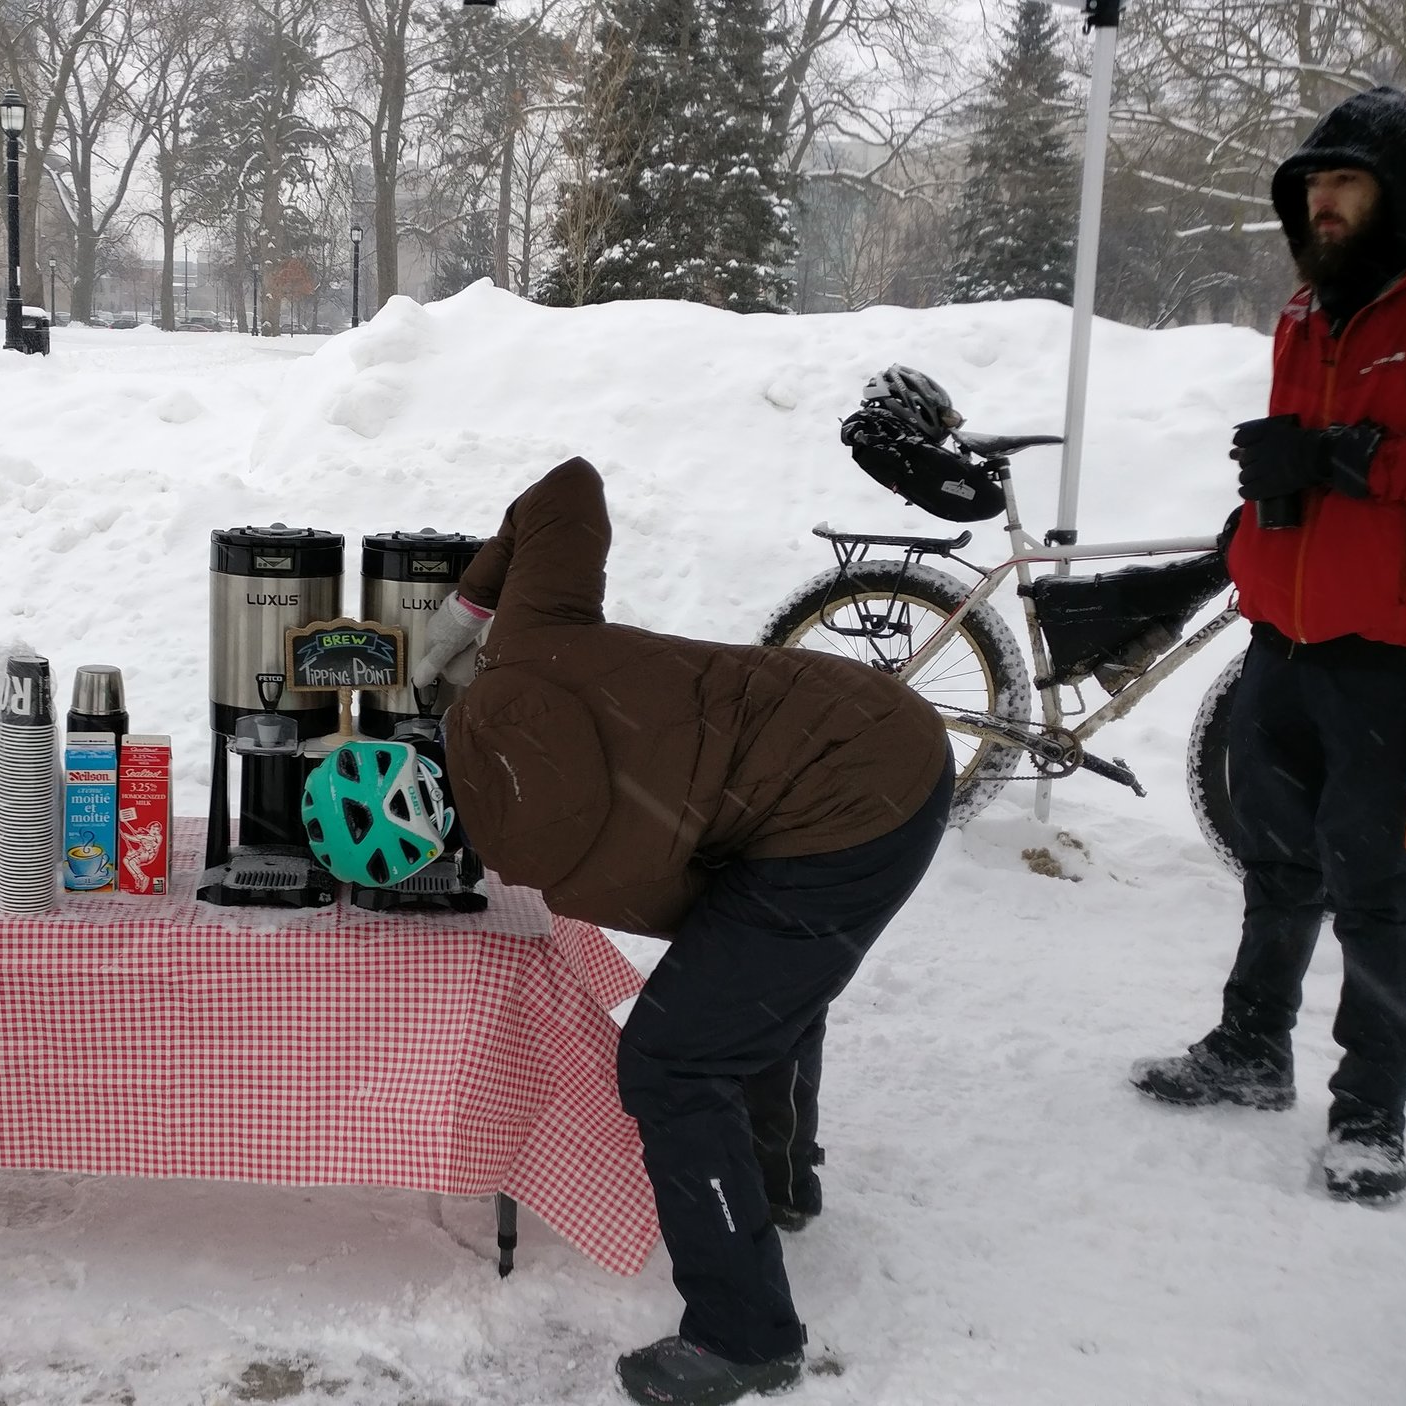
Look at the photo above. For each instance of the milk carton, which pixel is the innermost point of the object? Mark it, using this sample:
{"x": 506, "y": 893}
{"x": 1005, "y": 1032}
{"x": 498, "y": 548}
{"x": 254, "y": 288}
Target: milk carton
{"x": 90, "y": 813}
{"x": 144, "y": 816}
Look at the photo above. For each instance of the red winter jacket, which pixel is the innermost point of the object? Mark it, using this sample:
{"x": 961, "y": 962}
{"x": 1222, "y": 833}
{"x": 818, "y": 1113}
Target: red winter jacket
{"x": 1344, "y": 571}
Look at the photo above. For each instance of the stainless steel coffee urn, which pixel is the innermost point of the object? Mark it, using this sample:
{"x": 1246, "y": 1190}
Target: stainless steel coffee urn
{"x": 404, "y": 577}
{"x": 265, "y": 581}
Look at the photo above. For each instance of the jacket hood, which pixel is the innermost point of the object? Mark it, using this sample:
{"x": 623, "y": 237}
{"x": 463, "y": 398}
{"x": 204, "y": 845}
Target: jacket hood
{"x": 1367, "y": 133}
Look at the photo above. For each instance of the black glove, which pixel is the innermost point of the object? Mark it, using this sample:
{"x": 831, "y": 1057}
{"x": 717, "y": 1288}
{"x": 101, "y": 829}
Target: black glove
{"x": 1278, "y": 457}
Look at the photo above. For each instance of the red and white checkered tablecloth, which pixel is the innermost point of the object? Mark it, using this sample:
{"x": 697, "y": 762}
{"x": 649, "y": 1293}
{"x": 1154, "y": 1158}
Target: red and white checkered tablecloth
{"x": 457, "y": 1053}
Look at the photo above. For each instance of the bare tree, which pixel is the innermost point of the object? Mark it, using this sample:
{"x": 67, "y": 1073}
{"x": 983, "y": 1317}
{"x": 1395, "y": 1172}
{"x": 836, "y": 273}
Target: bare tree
{"x": 874, "y": 73}
{"x": 1211, "y": 96}
{"x": 177, "y": 42}
{"x": 46, "y": 44}
{"x": 393, "y": 50}
{"x": 255, "y": 140}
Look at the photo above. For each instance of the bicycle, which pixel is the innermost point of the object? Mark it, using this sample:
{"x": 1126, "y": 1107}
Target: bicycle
{"x": 945, "y": 639}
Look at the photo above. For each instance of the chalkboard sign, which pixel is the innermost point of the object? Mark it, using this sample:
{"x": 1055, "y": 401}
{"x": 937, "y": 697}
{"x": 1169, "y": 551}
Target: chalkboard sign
{"x": 344, "y": 654}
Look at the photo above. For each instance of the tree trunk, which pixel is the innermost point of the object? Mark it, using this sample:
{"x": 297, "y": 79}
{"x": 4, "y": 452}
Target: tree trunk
{"x": 31, "y": 177}
{"x": 503, "y": 232}
{"x": 240, "y": 256}
{"x": 524, "y": 273}
{"x": 85, "y": 261}
{"x": 168, "y": 243}
{"x": 270, "y": 255}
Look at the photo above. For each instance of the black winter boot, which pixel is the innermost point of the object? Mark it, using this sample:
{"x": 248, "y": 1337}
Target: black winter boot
{"x": 673, "y": 1372}
{"x": 1364, "y": 1160}
{"x": 1213, "y": 1070}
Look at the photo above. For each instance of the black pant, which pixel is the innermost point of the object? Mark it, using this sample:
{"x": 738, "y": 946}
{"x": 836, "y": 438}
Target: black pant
{"x": 1318, "y": 782}
{"x": 744, "y": 986}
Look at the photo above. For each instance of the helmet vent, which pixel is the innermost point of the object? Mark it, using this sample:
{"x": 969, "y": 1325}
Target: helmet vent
{"x": 411, "y": 852}
{"x": 397, "y": 806}
{"x": 376, "y": 868}
{"x": 346, "y": 765}
{"x": 384, "y": 762}
{"x": 358, "y": 819}
{"x": 314, "y": 829}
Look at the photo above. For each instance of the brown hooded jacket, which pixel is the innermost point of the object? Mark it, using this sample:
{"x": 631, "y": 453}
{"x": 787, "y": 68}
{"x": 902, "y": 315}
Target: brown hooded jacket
{"x": 610, "y": 766}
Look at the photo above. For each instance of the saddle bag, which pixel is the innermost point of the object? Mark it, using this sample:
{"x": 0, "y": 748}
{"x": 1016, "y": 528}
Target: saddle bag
{"x": 940, "y": 482}
{"x": 1114, "y": 625}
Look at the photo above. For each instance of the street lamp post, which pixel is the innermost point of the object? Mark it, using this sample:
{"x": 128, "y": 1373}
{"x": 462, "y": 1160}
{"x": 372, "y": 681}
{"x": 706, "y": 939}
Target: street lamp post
{"x": 356, "y": 275}
{"x": 12, "y": 113}
{"x": 53, "y": 301}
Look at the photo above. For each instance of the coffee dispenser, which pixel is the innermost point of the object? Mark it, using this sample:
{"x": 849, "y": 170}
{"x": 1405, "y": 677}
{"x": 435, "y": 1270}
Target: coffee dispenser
{"x": 404, "y": 577}
{"x": 265, "y": 581}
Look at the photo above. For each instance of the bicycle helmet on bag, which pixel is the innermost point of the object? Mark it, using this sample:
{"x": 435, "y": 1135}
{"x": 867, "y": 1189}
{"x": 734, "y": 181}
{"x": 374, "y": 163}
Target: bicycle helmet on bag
{"x": 375, "y": 813}
{"x": 915, "y": 399}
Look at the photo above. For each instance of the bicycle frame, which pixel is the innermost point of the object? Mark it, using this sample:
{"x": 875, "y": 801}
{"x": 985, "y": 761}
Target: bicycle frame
{"x": 1027, "y": 553}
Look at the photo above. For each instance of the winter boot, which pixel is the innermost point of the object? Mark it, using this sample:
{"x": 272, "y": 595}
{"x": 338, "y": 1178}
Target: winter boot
{"x": 1214, "y": 1070}
{"x": 1364, "y": 1160}
{"x": 673, "y": 1372}
{"x": 792, "y": 1187}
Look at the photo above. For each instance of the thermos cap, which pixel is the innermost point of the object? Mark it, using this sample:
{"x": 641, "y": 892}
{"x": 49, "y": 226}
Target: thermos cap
{"x": 97, "y": 689}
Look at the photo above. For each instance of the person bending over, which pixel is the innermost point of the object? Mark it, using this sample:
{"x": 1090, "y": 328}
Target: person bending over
{"x": 767, "y": 810}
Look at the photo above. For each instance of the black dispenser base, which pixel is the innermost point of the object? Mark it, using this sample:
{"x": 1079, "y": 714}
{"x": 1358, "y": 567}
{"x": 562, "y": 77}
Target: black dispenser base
{"x": 454, "y": 884}
{"x": 268, "y": 876}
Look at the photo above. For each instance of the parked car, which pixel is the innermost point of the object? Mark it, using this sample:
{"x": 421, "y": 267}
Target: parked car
{"x": 124, "y": 322}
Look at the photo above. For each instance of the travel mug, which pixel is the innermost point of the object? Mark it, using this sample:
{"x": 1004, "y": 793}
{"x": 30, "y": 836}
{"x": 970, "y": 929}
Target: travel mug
{"x": 1283, "y": 511}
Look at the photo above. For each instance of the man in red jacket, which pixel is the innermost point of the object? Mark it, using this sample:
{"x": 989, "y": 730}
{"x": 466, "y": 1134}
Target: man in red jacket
{"x": 1318, "y": 744}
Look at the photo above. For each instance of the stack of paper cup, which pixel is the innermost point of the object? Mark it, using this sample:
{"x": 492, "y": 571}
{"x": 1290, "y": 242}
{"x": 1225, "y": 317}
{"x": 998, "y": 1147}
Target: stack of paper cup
{"x": 29, "y": 838}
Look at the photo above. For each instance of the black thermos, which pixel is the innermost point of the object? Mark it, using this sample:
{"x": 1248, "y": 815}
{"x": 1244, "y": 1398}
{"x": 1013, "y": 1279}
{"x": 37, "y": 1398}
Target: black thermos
{"x": 98, "y": 702}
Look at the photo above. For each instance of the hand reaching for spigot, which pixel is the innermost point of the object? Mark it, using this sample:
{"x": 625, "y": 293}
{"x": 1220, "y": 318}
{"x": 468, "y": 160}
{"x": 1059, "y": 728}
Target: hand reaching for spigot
{"x": 450, "y": 642}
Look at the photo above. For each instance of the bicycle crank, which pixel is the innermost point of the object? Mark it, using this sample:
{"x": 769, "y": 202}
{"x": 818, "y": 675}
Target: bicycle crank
{"x": 1055, "y": 751}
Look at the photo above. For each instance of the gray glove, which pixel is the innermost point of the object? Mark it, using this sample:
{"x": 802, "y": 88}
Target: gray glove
{"x": 450, "y": 640}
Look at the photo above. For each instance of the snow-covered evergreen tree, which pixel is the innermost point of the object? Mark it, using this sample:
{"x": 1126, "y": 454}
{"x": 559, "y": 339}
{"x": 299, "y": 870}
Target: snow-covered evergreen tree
{"x": 682, "y": 189}
{"x": 1018, "y": 212}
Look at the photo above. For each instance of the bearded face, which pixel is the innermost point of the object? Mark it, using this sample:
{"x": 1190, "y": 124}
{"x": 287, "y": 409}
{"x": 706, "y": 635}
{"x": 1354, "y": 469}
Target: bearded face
{"x": 1347, "y": 226}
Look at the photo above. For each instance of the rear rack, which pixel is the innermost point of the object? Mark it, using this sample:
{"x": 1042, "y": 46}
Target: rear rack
{"x": 916, "y": 546}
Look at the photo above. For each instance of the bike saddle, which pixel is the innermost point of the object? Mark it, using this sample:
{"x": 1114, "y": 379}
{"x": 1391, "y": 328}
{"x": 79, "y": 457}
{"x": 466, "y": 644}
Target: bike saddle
{"x": 991, "y": 445}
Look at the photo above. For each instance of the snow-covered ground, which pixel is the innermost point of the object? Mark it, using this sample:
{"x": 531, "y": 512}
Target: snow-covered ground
{"x": 1006, "y": 1223}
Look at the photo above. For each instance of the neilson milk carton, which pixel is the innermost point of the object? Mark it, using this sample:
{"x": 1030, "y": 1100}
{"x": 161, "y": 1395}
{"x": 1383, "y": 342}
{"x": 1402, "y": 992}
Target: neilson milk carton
{"x": 90, "y": 812}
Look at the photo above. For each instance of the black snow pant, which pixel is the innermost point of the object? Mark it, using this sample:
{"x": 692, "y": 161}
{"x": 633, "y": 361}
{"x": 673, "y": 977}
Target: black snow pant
{"x": 1318, "y": 783}
{"x": 743, "y": 989}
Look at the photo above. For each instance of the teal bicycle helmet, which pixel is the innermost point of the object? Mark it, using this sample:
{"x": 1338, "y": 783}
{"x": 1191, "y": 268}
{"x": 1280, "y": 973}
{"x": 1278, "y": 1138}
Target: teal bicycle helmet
{"x": 374, "y": 812}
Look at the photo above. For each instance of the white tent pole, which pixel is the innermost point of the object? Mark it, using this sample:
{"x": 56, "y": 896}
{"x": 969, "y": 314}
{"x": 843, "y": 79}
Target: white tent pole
{"x": 1102, "y": 17}
{"x": 1105, "y": 28}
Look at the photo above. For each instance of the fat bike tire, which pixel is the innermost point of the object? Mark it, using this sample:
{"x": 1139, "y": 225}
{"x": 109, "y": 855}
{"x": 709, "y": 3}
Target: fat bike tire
{"x": 980, "y": 670}
{"x": 1207, "y": 768}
